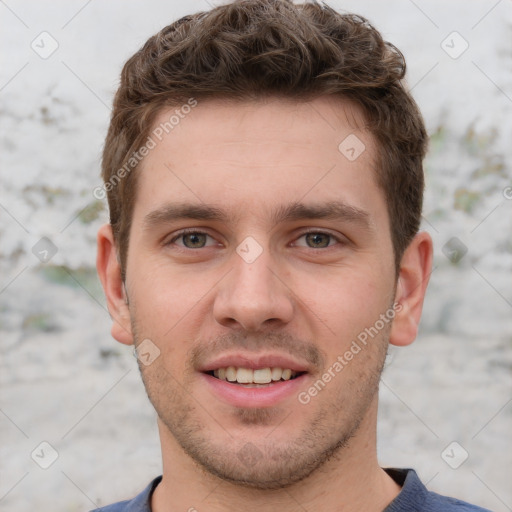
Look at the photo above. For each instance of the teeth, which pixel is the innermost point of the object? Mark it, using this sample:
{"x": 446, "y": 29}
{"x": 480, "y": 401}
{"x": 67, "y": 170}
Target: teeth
{"x": 263, "y": 376}
{"x": 244, "y": 375}
{"x": 276, "y": 373}
{"x": 250, "y": 376}
{"x": 230, "y": 373}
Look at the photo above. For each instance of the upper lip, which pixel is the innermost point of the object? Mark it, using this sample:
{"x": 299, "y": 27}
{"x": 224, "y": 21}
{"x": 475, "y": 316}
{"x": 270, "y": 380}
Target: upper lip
{"x": 254, "y": 361}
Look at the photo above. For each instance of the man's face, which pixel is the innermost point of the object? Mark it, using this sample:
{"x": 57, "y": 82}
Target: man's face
{"x": 286, "y": 259}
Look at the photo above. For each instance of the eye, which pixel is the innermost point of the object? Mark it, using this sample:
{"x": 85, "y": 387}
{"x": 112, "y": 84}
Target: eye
{"x": 317, "y": 240}
{"x": 191, "y": 239}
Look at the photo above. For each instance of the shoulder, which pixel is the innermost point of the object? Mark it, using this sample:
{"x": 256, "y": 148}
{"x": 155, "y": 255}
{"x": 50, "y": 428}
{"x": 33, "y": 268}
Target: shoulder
{"x": 120, "y": 506}
{"x": 415, "y": 496}
{"x": 141, "y": 502}
{"x": 436, "y": 502}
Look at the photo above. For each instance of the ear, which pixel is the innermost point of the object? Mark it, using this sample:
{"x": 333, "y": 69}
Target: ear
{"x": 109, "y": 271}
{"x": 413, "y": 277}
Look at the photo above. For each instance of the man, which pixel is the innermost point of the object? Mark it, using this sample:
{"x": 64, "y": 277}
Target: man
{"x": 264, "y": 175}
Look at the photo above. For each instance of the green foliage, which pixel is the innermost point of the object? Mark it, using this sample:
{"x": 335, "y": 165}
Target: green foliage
{"x": 465, "y": 199}
{"x": 39, "y": 322}
{"x": 83, "y": 277}
{"x": 478, "y": 143}
{"x": 91, "y": 212}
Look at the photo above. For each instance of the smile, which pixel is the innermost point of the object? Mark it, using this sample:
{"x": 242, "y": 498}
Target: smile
{"x": 254, "y": 377}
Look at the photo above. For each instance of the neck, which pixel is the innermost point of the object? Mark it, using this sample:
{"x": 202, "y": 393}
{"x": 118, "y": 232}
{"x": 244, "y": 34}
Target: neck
{"x": 351, "y": 480}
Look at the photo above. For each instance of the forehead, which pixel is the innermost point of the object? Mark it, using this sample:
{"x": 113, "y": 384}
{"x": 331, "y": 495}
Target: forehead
{"x": 259, "y": 154}
{"x": 324, "y": 121}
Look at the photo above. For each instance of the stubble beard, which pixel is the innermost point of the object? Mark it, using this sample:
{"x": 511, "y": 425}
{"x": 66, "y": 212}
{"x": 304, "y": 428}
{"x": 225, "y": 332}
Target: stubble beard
{"x": 263, "y": 463}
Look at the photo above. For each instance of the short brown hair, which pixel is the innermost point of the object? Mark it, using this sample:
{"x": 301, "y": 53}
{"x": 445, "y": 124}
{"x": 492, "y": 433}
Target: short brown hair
{"x": 249, "y": 49}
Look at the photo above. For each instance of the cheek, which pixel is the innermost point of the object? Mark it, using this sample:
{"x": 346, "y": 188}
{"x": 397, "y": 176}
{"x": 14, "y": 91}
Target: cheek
{"x": 166, "y": 303}
{"x": 347, "y": 301}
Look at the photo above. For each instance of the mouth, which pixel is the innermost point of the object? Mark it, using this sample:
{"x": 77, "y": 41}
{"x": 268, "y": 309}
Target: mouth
{"x": 254, "y": 377}
{"x": 255, "y": 380}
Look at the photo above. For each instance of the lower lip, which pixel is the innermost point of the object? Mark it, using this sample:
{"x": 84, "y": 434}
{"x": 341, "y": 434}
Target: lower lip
{"x": 267, "y": 396}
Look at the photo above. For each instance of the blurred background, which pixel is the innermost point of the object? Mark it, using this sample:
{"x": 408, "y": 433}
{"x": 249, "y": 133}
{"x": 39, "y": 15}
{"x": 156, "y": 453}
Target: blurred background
{"x": 76, "y": 428}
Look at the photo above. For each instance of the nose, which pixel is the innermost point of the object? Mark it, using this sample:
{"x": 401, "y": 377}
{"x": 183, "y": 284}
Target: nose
{"x": 253, "y": 296}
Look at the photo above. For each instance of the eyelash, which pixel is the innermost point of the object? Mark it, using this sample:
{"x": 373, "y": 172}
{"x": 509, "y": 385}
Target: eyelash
{"x": 190, "y": 231}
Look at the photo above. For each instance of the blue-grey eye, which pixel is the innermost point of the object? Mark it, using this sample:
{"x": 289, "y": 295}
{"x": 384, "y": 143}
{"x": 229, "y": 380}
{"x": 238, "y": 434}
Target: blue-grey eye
{"x": 318, "y": 240}
{"x": 194, "y": 240}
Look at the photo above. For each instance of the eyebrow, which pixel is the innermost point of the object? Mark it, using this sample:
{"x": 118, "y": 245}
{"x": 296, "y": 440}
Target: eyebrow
{"x": 332, "y": 210}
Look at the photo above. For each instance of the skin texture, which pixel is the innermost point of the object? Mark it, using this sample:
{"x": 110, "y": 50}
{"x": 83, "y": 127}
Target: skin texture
{"x": 304, "y": 296}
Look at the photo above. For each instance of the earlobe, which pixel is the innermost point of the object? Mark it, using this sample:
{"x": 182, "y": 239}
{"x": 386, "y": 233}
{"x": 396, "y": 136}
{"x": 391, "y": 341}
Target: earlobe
{"x": 109, "y": 271}
{"x": 414, "y": 274}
